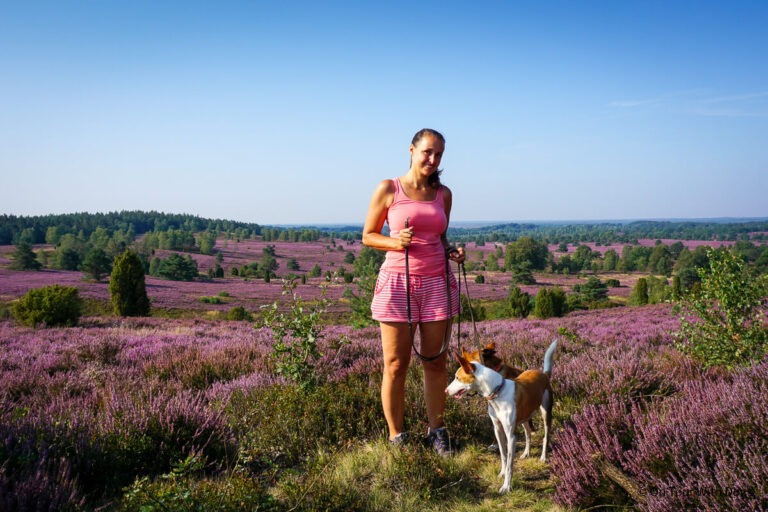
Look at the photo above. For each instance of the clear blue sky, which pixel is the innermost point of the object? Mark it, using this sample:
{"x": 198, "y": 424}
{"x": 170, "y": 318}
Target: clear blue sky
{"x": 292, "y": 112}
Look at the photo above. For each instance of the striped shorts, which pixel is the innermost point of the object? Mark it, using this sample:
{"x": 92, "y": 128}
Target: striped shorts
{"x": 429, "y": 298}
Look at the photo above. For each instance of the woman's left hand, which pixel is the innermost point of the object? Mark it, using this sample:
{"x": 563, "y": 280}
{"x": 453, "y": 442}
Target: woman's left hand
{"x": 457, "y": 255}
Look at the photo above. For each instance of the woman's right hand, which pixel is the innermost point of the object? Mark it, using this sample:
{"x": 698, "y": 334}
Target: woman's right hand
{"x": 404, "y": 237}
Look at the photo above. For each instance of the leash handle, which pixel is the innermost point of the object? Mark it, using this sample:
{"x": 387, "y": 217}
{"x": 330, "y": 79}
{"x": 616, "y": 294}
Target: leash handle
{"x": 408, "y": 288}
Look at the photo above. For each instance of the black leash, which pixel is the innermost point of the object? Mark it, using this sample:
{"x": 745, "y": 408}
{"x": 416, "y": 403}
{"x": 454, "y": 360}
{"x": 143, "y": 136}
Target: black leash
{"x": 447, "y": 335}
{"x": 463, "y": 270}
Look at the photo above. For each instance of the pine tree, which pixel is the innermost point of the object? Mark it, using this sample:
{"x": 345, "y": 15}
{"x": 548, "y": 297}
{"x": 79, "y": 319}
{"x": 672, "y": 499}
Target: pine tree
{"x": 126, "y": 286}
{"x": 639, "y": 296}
{"x": 544, "y": 307}
{"x": 97, "y": 263}
{"x": 24, "y": 258}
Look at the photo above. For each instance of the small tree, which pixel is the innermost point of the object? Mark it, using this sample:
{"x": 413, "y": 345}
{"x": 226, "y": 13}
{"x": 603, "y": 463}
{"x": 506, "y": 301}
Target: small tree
{"x": 127, "y": 289}
{"x": 639, "y": 295}
{"x": 544, "y": 307}
{"x": 724, "y": 323}
{"x": 519, "y": 302}
{"x": 521, "y": 274}
{"x": 24, "y": 258}
{"x": 97, "y": 263}
{"x": 315, "y": 271}
{"x": 292, "y": 264}
{"x": 50, "y": 305}
{"x": 296, "y": 333}
{"x": 68, "y": 259}
{"x": 178, "y": 268}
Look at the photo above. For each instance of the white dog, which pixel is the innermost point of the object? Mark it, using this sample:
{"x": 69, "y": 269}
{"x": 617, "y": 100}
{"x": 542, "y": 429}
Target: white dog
{"x": 510, "y": 403}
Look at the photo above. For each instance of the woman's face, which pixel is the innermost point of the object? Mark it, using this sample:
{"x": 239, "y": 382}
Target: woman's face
{"x": 426, "y": 154}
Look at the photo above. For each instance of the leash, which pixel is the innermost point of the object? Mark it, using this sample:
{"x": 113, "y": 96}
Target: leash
{"x": 447, "y": 335}
{"x": 463, "y": 270}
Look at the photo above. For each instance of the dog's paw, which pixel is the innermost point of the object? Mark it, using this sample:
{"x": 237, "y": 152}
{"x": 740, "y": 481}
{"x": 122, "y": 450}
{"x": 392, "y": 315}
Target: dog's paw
{"x": 504, "y": 489}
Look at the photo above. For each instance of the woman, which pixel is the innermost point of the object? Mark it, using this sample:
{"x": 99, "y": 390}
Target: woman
{"x": 419, "y": 198}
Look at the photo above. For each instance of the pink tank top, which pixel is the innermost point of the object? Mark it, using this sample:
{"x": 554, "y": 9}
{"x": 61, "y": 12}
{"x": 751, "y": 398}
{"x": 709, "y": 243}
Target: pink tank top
{"x": 426, "y": 256}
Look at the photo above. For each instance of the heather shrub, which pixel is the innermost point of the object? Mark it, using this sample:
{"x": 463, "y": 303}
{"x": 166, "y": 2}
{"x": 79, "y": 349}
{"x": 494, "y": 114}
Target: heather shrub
{"x": 703, "y": 449}
{"x": 724, "y": 323}
{"x": 127, "y": 289}
{"x": 41, "y": 485}
{"x": 145, "y": 435}
{"x": 50, "y": 305}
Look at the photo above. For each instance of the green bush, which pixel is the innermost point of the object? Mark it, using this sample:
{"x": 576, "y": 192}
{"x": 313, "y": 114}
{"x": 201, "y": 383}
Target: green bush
{"x": 210, "y": 300}
{"x": 50, "y": 305}
{"x": 182, "y": 492}
{"x": 467, "y": 313}
{"x": 519, "y": 302}
{"x": 639, "y": 295}
{"x": 223, "y": 294}
{"x": 285, "y": 423}
{"x": 612, "y": 283}
{"x": 127, "y": 289}
{"x": 239, "y": 314}
{"x": 723, "y": 323}
{"x": 480, "y": 279}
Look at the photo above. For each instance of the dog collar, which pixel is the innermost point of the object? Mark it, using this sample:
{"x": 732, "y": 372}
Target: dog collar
{"x": 496, "y": 392}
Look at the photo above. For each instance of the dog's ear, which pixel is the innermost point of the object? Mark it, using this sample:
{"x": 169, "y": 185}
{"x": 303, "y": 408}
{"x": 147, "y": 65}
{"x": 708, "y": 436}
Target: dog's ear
{"x": 465, "y": 354}
{"x": 465, "y": 364}
{"x": 490, "y": 347}
{"x": 474, "y": 356}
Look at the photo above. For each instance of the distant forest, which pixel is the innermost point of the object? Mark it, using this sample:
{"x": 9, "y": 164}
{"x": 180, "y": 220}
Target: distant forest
{"x": 50, "y": 228}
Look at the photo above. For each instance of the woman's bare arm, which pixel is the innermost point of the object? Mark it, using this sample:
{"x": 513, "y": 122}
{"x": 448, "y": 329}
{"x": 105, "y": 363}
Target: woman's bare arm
{"x": 377, "y": 213}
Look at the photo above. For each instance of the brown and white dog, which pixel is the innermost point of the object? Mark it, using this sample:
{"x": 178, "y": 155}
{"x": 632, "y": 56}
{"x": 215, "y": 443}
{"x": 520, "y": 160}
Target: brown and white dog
{"x": 495, "y": 363}
{"x": 510, "y": 403}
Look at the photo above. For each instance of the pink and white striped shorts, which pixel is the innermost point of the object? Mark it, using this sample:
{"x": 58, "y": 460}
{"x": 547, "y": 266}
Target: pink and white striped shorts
{"x": 429, "y": 298}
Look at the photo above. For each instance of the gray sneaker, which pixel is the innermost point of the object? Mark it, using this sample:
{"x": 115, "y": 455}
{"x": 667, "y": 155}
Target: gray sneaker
{"x": 400, "y": 440}
{"x": 440, "y": 442}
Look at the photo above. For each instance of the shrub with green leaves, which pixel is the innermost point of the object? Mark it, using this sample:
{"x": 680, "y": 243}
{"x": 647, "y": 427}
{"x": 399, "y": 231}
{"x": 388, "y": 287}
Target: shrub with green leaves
{"x": 127, "y": 289}
{"x": 239, "y": 314}
{"x": 724, "y": 324}
{"x": 519, "y": 302}
{"x": 296, "y": 333}
{"x": 50, "y": 305}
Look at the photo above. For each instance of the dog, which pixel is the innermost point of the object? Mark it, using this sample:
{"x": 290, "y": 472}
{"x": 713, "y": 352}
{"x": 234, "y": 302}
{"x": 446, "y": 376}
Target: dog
{"x": 495, "y": 363}
{"x": 510, "y": 403}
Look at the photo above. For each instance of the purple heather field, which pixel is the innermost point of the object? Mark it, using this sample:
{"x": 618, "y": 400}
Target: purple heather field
{"x": 74, "y": 399}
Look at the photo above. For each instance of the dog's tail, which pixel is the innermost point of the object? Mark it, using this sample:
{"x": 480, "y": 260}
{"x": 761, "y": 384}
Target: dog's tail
{"x": 548, "y": 358}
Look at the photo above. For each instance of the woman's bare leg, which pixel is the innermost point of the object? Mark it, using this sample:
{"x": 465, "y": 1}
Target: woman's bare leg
{"x": 396, "y": 347}
{"x": 435, "y": 378}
